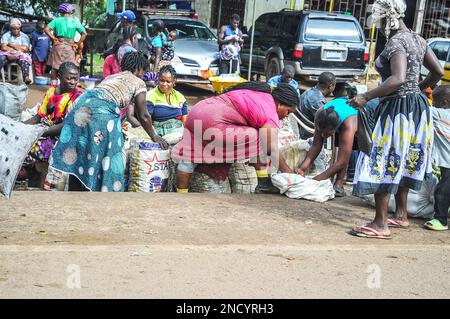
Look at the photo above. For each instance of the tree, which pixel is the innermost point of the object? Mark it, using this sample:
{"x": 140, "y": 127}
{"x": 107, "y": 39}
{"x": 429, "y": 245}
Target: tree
{"x": 48, "y": 8}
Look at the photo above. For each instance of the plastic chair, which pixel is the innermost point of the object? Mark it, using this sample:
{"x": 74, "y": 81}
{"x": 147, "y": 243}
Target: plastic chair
{"x": 19, "y": 73}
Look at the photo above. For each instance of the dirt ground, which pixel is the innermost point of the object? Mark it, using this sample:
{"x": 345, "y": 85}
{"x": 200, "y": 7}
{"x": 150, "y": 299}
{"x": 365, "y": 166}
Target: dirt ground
{"x": 136, "y": 245}
{"x": 140, "y": 245}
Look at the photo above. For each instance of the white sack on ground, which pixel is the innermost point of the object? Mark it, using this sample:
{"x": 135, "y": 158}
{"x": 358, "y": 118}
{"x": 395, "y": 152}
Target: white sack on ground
{"x": 299, "y": 187}
{"x": 16, "y": 140}
{"x": 295, "y": 153}
{"x": 420, "y": 203}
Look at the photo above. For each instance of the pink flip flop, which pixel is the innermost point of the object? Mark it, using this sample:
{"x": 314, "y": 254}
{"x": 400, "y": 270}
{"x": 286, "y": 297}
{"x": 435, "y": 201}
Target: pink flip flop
{"x": 368, "y": 232}
{"x": 394, "y": 223}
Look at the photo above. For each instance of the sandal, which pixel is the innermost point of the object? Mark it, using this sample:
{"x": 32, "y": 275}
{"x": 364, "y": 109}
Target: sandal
{"x": 339, "y": 192}
{"x": 435, "y": 224}
{"x": 368, "y": 232}
{"x": 397, "y": 223}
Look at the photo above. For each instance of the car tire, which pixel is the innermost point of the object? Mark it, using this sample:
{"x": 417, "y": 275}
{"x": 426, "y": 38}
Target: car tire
{"x": 273, "y": 68}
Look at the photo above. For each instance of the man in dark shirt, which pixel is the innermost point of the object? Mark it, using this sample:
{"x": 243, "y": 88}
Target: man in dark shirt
{"x": 314, "y": 98}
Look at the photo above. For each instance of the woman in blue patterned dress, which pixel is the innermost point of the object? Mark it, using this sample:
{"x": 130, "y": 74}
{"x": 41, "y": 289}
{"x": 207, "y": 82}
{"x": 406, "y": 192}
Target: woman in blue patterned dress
{"x": 91, "y": 141}
{"x": 402, "y": 138}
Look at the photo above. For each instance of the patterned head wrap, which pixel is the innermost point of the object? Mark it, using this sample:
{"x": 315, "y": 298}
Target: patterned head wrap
{"x": 66, "y": 8}
{"x": 15, "y": 23}
{"x": 392, "y": 10}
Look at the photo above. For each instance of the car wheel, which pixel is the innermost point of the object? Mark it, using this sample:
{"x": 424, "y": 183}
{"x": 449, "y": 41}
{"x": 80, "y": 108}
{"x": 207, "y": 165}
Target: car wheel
{"x": 273, "y": 68}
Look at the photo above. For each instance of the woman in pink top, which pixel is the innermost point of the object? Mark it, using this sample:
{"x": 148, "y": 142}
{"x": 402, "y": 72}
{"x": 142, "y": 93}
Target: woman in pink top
{"x": 239, "y": 124}
{"x": 111, "y": 66}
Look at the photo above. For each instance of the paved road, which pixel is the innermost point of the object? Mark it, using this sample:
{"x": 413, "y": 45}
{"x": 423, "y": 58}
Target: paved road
{"x": 209, "y": 246}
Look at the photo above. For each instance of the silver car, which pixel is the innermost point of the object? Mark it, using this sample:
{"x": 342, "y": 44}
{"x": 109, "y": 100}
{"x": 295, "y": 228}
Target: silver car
{"x": 441, "y": 48}
{"x": 196, "y": 48}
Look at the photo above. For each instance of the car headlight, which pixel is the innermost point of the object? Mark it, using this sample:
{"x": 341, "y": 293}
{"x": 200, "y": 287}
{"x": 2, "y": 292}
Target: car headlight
{"x": 176, "y": 59}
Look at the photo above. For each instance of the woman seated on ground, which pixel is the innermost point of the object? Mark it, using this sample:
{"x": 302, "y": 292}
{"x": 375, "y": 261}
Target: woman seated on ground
{"x": 15, "y": 48}
{"x": 167, "y": 106}
{"x": 91, "y": 141}
{"x": 239, "y": 124}
{"x": 52, "y": 111}
{"x": 334, "y": 116}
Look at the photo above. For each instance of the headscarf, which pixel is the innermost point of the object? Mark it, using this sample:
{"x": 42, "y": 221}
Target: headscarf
{"x": 66, "y": 8}
{"x": 392, "y": 10}
{"x": 15, "y": 23}
{"x": 285, "y": 94}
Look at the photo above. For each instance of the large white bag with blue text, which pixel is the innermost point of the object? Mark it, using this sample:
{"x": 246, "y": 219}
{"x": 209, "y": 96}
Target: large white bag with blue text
{"x": 16, "y": 140}
{"x": 299, "y": 187}
{"x": 149, "y": 167}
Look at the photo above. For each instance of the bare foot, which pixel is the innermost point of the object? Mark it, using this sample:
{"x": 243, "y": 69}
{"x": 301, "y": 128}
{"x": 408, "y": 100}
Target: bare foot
{"x": 27, "y": 80}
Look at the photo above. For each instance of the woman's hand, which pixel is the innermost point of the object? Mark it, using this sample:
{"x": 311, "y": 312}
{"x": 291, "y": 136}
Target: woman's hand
{"x": 162, "y": 142}
{"x": 358, "y": 101}
{"x": 56, "y": 42}
{"x": 78, "y": 58}
{"x": 301, "y": 172}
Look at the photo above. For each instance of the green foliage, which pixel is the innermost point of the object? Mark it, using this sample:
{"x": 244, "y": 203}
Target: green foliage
{"x": 92, "y": 9}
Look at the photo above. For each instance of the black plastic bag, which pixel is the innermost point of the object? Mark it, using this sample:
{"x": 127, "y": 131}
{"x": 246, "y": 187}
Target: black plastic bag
{"x": 366, "y": 124}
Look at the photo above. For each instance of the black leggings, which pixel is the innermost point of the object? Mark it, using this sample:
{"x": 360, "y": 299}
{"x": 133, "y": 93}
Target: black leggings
{"x": 442, "y": 196}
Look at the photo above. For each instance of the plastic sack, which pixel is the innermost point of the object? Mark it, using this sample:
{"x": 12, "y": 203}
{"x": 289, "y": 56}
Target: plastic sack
{"x": 12, "y": 100}
{"x": 202, "y": 183}
{"x": 299, "y": 187}
{"x": 286, "y": 134}
{"x": 321, "y": 163}
{"x": 16, "y": 140}
{"x": 243, "y": 179}
{"x": 149, "y": 167}
{"x": 420, "y": 203}
{"x": 295, "y": 153}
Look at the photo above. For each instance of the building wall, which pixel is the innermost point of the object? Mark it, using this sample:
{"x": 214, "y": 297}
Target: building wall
{"x": 263, "y": 6}
{"x": 203, "y": 9}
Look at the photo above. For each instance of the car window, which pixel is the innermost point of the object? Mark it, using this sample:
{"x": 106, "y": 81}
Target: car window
{"x": 441, "y": 49}
{"x": 186, "y": 29}
{"x": 273, "y": 24}
{"x": 261, "y": 25}
{"x": 290, "y": 25}
{"x": 332, "y": 30}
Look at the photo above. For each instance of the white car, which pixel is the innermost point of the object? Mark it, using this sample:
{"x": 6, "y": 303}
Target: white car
{"x": 196, "y": 48}
{"x": 440, "y": 47}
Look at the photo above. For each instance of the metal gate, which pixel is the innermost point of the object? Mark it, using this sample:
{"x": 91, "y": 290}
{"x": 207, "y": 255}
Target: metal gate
{"x": 360, "y": 9}
{"x": 437, "y": 19}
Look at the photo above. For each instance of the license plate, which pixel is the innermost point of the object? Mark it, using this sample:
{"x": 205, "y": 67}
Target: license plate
{"x": 333, "y": 55}
{"x": 195, "y": 72}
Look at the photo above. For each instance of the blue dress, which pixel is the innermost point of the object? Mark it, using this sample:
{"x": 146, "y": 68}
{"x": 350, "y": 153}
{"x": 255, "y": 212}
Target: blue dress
{"x": 90, "y": 146}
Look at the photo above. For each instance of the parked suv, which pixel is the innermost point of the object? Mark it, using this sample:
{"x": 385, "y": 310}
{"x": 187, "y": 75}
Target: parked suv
{"x": 311, "y": 41}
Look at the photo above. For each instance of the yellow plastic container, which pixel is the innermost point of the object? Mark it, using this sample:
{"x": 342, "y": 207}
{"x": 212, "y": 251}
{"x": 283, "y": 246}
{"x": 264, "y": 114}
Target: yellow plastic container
{"x": 446, "y": 77}
{"x": 220, "y": 83}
